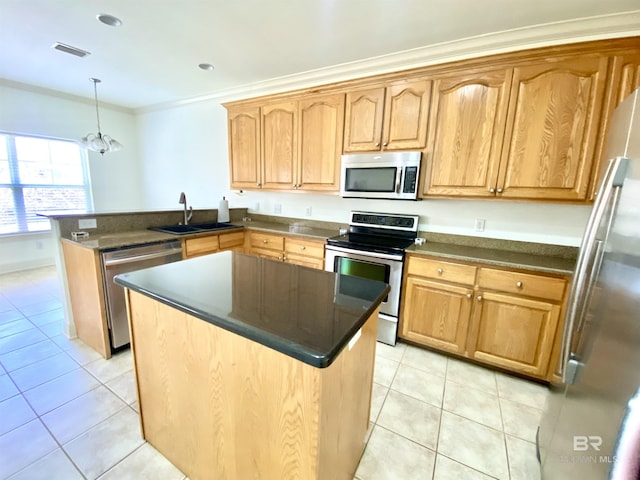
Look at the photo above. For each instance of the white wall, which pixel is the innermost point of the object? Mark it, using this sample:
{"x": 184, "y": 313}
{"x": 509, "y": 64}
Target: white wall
{"x": 186, "y": 150}
{"x": 116, "y": 177}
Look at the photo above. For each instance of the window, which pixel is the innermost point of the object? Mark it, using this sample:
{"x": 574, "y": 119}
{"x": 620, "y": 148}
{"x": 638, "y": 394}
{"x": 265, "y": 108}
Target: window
{"x": 40, "y": 175}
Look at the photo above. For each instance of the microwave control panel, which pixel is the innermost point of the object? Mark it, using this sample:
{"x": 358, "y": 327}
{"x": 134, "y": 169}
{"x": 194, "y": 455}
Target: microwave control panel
{"x": 410, "y": 179}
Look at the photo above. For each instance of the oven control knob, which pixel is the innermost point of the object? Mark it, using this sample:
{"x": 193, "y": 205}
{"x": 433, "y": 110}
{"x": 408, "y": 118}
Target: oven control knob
{"x": 440, "y": 271}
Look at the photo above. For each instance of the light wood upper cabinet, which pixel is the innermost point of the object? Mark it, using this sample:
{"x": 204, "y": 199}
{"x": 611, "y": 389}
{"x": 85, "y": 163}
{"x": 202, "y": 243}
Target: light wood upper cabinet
{"x": 321, "y": 130}
{"x": 279, "y": 145}
{"x": 391, "y": 118}
{"x": 552, "y": 128}
{"x": 466, "y": 133}
{"x": 244, "y": 147}
{"x": 624, "y": 79}
{"x": 363, "y": 120}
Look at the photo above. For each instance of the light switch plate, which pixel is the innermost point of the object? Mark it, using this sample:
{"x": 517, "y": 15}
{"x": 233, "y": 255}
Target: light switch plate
{"x": 277, "y": 208}
{"x": 84, "y": 223}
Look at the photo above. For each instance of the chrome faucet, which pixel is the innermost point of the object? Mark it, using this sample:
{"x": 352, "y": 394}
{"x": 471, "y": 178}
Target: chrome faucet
{"x": 183, "y": 201}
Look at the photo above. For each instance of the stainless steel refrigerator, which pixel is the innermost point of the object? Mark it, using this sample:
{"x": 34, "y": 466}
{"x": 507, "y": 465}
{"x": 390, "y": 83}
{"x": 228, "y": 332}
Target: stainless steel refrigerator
{"x": 591, "y": 425}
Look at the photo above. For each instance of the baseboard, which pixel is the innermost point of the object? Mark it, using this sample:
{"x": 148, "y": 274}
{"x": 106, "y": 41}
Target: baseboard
{"x": 26, "y": 265}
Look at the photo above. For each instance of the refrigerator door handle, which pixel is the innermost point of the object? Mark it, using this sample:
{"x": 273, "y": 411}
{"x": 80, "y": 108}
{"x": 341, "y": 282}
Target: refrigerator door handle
{"x": 614, "y": 177}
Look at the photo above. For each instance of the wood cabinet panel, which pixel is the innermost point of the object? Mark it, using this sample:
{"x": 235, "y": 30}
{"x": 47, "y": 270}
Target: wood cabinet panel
{"x": 552, "y": 128}
{"x": 230, "y": 240}
{"x": 513, "y": 332}
{"x": 266, "y": 241}
{"x": 194, "y": 247}
{"x": 279, "y": 145}
{"x": 363, "y": 120}
{"x": 300, "y": 246}
{"x": 522, "y": 284}
{"x": 244, "y": 147}
{"x": 445, "y": 271}
{"x": 84, "y": 278}
{"x": 436, "y": 314}
{"x": 466, "y": 133}
{"x": 321, "y": 131}
{"x": 406, "y": 114}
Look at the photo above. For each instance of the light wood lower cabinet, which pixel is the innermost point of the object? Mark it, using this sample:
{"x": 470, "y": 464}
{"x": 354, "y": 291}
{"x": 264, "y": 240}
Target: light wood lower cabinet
{"x": 291, "y": 249}
{"x": 194, "y": 247}
{"x": 505, "y": 318}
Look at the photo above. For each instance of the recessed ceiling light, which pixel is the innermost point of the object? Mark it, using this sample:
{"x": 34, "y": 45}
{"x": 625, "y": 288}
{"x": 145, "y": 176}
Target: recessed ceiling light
{"x": 109, "y": 20}
{"x": 206, "y": 66}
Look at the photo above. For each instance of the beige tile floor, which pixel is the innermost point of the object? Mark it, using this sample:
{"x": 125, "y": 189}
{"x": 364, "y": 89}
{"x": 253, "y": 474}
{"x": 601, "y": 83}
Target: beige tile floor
{"x": 66, "y": 413}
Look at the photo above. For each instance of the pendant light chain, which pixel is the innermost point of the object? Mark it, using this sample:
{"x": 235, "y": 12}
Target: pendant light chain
{"x": 95, "y": 94}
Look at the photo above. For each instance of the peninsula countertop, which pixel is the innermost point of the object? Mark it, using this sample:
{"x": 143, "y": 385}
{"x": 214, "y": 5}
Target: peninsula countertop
{"x": 307, "y": 314}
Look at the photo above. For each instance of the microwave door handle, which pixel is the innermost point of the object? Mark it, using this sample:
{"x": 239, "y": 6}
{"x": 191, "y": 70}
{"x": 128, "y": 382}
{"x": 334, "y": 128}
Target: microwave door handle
{"x": 399, "y": 179}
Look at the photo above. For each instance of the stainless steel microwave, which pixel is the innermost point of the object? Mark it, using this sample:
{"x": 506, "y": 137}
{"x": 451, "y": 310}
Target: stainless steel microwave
{"x": 391, "y": 175}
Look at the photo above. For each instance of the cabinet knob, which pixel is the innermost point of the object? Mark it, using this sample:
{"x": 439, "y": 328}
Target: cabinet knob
{"x": 479, "y": 297}
{"x": 492, "y": 190}
{"x": 377, "y": 144}
{"x": 258, "y": 185}
{"x": 303, "y": 247}
{"x": 519, "y": 284}
{"x": 469, "y": 296}
{"x": 385, "y": 144}
{"x": 440, "y": 271}
{"x": 265, "y": 241}
{"x": 499, "y": 190}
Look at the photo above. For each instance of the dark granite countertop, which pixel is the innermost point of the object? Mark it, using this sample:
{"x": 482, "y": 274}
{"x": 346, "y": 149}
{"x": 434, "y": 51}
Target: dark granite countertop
{"x": 291, "y": 229}
{"x": 501, "y": 258}
{"x": 308, "y": 314}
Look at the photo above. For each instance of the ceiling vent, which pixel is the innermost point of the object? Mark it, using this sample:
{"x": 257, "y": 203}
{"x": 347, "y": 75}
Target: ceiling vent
{"x": 78, "y": 52}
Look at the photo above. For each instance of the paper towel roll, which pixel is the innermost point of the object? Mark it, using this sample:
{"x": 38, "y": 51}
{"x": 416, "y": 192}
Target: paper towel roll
{"x": 223, "y": 210}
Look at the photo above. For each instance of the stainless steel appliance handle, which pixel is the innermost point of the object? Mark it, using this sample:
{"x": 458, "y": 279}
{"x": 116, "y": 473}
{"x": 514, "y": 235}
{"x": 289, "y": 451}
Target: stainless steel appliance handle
{"x": 613, "y": 177}
{"x": 374, "y": 255}
{"x": 138, "y": 258}
{"x": 399, "y": 179}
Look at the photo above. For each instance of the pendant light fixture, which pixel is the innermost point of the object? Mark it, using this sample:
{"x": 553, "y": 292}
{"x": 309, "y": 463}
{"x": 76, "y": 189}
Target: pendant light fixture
{"x": 99, "y": 142}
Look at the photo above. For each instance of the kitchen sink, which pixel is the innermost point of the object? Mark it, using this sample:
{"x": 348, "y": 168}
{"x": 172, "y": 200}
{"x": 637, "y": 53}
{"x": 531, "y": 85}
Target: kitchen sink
{"x": 193, "y": 228}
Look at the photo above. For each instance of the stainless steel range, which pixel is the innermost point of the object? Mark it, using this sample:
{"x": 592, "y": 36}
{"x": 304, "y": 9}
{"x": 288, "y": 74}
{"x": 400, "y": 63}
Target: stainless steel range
{"x": 374, "y": 248}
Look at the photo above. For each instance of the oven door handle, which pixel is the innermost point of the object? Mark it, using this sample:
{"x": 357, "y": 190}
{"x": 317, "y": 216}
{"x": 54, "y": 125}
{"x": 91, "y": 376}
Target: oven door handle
{"x": 397, "y": 258}
{"x": 399, "y": 179}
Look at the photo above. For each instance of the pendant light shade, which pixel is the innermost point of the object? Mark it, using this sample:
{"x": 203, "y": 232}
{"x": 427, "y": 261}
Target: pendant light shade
{"x": 99, "y": 142}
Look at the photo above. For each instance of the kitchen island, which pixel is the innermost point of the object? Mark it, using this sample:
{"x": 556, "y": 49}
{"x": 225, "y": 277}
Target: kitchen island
{"x": 252, "y": 368}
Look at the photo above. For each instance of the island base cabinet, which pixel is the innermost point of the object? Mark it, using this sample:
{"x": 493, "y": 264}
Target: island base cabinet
{"x": 218, "y": 405}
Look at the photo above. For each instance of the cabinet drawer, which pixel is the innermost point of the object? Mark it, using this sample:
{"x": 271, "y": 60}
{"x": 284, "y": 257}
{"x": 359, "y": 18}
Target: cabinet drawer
{"x": 267, "y": 240}
{"x": 522, "y": 284}
{"x": 228, "y": 240}
{"x": 201, "y": 245}
{"x": 304, "y": 247}
{"x": 446, "y": 271}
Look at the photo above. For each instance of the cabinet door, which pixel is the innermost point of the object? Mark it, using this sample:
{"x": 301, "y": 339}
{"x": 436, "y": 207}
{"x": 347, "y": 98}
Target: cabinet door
{"x": 244, "y": 147}
{"x": 623, "y": 80}
{"x": 552, "y": 128}
{"x": 466, "y": 134}
{"x": 363, "y": 120}
{"x": 279, "y": 152}
{"x": 513, "y": 332}
{"x": 406, "y": 113}
{"x": 321, "y": 130}
{"x": 436, "y": 314}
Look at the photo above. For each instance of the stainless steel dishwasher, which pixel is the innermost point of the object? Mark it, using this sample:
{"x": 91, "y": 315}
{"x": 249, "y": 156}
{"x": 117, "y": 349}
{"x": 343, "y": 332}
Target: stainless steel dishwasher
{"x": 128, "y": 259}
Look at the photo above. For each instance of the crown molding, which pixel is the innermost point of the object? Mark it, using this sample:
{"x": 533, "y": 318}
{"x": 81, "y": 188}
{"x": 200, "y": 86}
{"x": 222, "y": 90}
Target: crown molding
{"x": 64, "y": 96}
{"x": 618, "y": 25}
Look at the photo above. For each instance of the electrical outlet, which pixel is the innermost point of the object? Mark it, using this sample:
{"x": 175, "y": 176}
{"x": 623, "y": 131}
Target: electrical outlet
{"x": 277, "y": 208}
{"x": 87, "y": 223}
{"x": 308, "y": 211}
{"x": 480, "y": 224}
